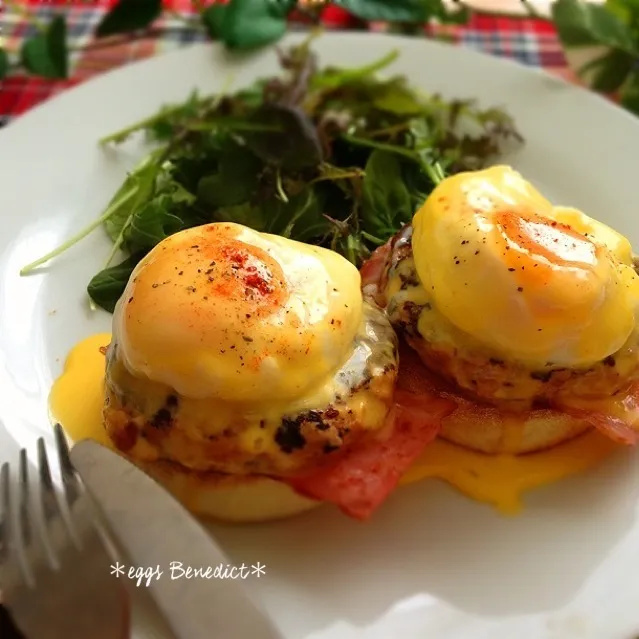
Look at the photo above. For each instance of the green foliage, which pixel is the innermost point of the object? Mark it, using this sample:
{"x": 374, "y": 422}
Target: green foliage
{"x": 248, "y": 24}
{"x": 4, "y": 63}
{"x": 275, "y": 157}
{"x": 106, "y": 288}
{"x": 46, "y": 54}
{"x": 614, "y": 27}
{"x": 129, "y": 15}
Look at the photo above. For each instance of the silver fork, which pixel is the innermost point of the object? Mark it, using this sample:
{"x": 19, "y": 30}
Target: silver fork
{"x": 55, "y": 577}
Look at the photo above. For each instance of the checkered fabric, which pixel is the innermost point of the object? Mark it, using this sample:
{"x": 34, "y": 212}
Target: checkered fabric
{"x": 531, "y": 42}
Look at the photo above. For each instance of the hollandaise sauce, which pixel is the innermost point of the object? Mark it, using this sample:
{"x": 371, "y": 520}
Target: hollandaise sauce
{"x": 77, "y": 398}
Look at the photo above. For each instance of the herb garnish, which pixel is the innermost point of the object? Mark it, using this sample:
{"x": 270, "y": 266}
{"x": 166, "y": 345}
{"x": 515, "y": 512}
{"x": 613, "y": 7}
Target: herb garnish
{"x": 337, "y": 157}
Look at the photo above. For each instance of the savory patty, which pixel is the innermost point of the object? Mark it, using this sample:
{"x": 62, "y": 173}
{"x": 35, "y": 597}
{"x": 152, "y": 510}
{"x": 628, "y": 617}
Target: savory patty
{"x": 151, "y": 421}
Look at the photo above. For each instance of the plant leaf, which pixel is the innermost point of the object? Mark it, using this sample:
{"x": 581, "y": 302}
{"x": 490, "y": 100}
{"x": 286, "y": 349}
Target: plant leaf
{"x": 395, "y": 11}
{"x": 213, "y": 20}
{"x": 234, "y": 181}
{"x": 295, "y": 145}
{"x": 249, "y": 24}
{"x": 607, "y": 73}
{"x": 246, "y": 214}
{"x": 458, "y": 16}
{"x": 386, "y": 202}
{"x": 630, "y": 94}
{"x": 106, "y": 288}
{"x": 46, "y": 54}
{"x": 333, "y": 78}
{"x": 129, "y": 15}
{"x": 310, "y": 223}
{"x": 396, "y": 97}
{"x": 4, "y": 63}
{"x": 301, "y": 218}
{"x": 581, "y": 24}
{"x": 151, "y": 224}
{"x": 623, "y": 9}
{"x": 135, "y": 191}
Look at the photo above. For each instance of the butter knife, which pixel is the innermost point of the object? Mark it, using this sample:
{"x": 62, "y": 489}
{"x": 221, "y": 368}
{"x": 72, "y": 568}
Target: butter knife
{"x": 154, "y": 529}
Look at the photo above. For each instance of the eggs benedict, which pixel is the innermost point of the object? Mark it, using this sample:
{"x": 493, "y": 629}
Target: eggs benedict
{"x": 246, "y": 373}
{"x": 522, "y": 313}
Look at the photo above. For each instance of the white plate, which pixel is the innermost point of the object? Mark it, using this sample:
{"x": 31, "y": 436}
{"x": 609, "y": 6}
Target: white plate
{"x": 431, "y": 564}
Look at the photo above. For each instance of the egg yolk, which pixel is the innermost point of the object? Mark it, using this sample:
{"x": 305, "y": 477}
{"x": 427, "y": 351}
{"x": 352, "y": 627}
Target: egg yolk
{"x": 526, "y": 279}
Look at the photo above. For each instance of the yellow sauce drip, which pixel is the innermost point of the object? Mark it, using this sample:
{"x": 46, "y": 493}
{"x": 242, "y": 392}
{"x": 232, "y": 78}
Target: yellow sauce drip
{"x": 77, "y": 397}
{"x": 500, "y": 480}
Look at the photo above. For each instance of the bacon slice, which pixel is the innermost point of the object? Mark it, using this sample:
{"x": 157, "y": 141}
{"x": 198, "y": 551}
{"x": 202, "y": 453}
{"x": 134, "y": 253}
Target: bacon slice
{"x": 375, "y": 271}
{"x": 614, "y": 427}
{"x": 364, "y": 477}
{"x": 620, "y": 422}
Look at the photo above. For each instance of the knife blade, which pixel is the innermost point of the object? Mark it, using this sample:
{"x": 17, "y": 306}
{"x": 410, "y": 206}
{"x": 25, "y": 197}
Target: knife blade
{"x": 154, "y": 529}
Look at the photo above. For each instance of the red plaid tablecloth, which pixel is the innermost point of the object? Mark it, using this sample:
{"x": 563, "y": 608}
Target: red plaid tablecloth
{"x": 531, "y": 42}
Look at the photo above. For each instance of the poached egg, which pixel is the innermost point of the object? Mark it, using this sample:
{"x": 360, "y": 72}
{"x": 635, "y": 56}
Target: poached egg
{"x": 528, "y": 280}
{"x": 222, "y": 311}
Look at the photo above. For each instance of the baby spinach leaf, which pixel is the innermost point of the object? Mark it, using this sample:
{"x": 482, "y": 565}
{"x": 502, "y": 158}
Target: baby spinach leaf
{"x": 249, "y": 24}
{"x": 134, "y": 192}
{"x": 386, "y": 203}
{"x": 46, "y": 53}
{"x": 308, "y": 222}
{"x": 580, "y": 23}
{"x": 234, "y": 180}
{"x": 106, "y": 288}
{"x": 129, "y": 15}
{"x": 294, "y": 145}
{"x": 152, "y": 223}
{"x": 304, "y": 217}
{"x": 4, "y": 63}
{"x": 299, "y": 218}
{"x": 417, "y": 183}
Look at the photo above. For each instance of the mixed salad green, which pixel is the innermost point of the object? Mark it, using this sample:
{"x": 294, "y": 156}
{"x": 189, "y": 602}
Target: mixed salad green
{"x": 340, "y": 157}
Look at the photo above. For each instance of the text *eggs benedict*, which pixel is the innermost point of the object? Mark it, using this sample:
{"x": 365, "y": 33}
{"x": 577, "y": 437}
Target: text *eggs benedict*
{"x": 525, "y": 315}
{"x": 246, "y": 374}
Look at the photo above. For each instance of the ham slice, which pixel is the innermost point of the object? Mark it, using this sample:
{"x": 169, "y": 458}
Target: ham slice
{"x": 364, "y": 477}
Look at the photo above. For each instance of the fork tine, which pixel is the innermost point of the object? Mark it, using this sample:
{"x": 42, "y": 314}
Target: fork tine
{"x": 4, "y": 512}
{"x": 20, "y": 532}
{"x": 66, "y": 467}
{"x": 48, "y": 503}
{"x": 70, "y": 485}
